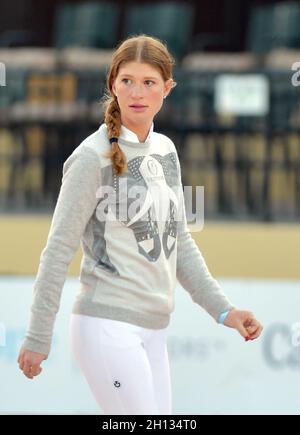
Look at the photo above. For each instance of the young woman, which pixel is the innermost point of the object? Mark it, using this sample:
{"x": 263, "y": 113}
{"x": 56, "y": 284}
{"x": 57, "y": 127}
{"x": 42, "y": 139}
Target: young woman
{"x": 122, "y": 197}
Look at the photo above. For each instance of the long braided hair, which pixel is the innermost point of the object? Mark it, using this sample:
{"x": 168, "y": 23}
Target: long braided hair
{"x": 144, "y": 49}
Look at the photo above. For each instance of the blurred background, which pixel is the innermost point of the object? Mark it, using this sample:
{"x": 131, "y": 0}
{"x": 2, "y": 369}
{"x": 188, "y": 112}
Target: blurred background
{"x": 234, "y": 117}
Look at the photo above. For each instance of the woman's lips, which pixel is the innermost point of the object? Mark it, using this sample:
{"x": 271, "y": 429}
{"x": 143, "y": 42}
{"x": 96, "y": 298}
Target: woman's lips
{"x": 138, "y": 108}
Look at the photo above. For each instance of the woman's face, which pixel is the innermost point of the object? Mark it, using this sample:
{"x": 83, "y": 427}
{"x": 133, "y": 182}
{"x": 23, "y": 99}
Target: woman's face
{"x": 140, "y": 84}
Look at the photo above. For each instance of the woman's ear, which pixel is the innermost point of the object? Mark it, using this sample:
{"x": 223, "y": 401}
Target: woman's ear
{"x": 168, "y": 86}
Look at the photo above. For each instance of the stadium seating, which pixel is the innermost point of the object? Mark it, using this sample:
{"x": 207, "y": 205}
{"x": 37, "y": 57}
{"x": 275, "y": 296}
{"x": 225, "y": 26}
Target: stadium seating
{"x": 86, "y": 25}
{"x": 274, "y": 26}
{"x": 172, "y": 22}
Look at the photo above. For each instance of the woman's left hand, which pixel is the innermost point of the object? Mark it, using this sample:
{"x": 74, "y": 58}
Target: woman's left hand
{"x": 245, "y": 323}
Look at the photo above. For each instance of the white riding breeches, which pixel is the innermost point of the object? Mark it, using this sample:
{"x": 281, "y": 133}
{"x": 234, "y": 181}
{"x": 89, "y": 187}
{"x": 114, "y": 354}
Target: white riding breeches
{"x": 125, "y": 365}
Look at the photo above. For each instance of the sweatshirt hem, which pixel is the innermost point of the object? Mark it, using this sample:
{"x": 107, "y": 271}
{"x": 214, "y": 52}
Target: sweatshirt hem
{"x": 145, "y": 320}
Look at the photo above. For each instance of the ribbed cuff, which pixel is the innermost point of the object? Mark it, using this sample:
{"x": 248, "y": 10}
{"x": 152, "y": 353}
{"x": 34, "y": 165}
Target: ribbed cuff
{"x": 36, "y": 346}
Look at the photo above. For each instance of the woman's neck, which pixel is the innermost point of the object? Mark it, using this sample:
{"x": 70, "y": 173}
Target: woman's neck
{"x": 140, "y": 130}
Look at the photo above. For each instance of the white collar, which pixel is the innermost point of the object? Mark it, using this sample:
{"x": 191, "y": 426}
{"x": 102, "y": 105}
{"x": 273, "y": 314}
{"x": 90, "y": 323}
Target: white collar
{"x": 129, "y": 135}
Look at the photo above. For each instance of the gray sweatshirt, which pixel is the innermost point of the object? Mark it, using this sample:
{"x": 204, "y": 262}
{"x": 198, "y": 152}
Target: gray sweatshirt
{"x": 134, "y": 237}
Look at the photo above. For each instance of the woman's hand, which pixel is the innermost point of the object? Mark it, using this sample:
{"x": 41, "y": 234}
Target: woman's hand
{"x": 245, "y": 323}
{"x": 29, "y": 362}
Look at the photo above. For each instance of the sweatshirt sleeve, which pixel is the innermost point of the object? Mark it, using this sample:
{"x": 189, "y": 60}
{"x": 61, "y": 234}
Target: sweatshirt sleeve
{"x": 75, "y": 205}
{"x": 192, "y": 271}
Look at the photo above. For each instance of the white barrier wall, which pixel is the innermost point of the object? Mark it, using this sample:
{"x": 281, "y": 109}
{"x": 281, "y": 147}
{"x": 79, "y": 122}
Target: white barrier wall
{"x": 213, "y": 370}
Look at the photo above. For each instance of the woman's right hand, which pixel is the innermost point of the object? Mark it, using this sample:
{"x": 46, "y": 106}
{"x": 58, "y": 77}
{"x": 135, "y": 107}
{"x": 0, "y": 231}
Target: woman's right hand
{"x": 245, "y": 323}
{"x": 29, "y": 362}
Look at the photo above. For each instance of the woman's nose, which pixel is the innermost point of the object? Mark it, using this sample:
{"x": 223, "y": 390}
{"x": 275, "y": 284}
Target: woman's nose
{"x": 137, "y": 90}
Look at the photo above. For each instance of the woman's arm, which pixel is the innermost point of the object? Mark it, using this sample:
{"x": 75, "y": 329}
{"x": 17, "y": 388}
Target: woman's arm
{"x": 194, "y": 276}
{"x": 75, "y": 204}
{"x": 192, "y": 271}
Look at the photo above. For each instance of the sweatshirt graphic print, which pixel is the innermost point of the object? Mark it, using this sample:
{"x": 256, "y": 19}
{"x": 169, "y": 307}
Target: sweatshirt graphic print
{"x": 152, "y": 177}
{"x": 134, "y": 237}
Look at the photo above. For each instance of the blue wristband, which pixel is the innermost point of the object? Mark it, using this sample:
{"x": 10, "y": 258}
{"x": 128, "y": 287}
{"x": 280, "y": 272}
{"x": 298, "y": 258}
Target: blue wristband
{"x": 223, "y": 316}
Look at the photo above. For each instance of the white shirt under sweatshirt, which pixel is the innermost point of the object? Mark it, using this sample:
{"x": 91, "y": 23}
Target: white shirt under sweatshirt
{"x": 134, "y": 237}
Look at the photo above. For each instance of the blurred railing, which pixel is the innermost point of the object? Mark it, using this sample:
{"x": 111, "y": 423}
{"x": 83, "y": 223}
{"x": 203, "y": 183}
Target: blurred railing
{"x": 248, "y": 165}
